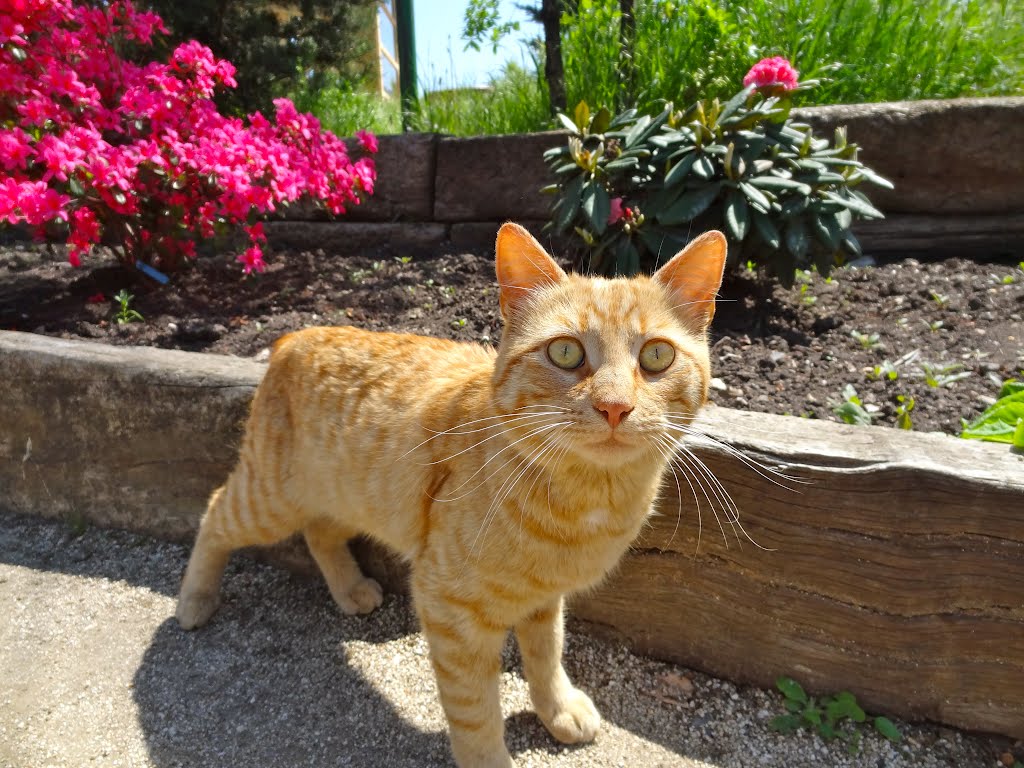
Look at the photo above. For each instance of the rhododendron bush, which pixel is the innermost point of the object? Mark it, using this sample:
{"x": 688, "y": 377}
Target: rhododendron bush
{"x": 101, "y": 149}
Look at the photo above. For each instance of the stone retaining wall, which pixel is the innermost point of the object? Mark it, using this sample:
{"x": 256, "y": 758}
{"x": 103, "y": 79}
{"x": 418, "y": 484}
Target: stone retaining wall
{"x": 958, "y": 173}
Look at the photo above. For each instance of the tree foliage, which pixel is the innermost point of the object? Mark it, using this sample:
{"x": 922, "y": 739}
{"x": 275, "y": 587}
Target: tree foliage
{"x": 279, "y": 48}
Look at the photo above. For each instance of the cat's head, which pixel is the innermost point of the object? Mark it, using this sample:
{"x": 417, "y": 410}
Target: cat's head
{"x": 599, "y": 367}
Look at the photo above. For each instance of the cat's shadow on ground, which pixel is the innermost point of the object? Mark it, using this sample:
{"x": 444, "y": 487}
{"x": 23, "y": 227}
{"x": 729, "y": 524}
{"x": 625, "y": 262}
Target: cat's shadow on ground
{"x": 269, "y": 682}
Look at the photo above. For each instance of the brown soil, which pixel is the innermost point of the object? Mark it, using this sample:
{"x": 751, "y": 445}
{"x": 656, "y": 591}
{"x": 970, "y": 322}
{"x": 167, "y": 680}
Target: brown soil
{"x": 774, "y": 350}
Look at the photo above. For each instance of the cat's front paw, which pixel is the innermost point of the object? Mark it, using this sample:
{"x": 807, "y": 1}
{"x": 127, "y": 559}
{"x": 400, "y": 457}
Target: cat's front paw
{"x": 196, "y": 608}
{"x": 576, "y": 721}
{"x": 363, "y": 597}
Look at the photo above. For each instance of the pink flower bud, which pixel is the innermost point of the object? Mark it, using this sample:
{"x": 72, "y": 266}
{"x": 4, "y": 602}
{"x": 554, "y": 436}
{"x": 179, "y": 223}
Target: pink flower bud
{"x": 616, "y": 211}
{"x": 773, "y": 72}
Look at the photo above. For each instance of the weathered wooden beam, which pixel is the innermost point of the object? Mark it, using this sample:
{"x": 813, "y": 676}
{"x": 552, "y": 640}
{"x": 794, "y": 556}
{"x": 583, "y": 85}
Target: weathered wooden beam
{"x": 895, "y": 569}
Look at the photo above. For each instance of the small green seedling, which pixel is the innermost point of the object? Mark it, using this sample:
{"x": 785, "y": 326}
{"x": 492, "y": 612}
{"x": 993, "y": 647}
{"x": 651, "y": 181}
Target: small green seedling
{"x": 890, "y": 370}
{"x": 1003, "y": 421}
{"x": 806, "y": 296}
{"x": 459, "y": 323}
{"x": 943, "y": 376}
{"x": 126, "y": 314}
{"x": 403, "y": 259}
{"x": 906, "y": 405}
{"x": 866, "y": 340}
{"x": 851, "y": 410}
{"x": 886, "y": 369}
{"x": 934, "y": 325}
{"x": 831, "y": 717}
{"x": 940, "y": 299}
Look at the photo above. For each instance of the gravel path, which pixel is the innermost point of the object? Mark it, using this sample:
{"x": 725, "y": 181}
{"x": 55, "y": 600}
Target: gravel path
{"x": 95, "y": 672}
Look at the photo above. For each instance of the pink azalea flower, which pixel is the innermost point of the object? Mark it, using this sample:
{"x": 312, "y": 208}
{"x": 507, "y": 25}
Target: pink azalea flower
{"x": 368, "y": 141}
{"x": 252, "y": 260}
{"x": 145, "y": 142}
{"x": 616, "y": 211}
{"x": 773, "y": 72}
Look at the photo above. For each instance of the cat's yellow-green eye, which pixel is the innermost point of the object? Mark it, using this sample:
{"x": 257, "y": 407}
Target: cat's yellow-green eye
{"x": 656, "y": 356}
{"x": 566, "y": 353}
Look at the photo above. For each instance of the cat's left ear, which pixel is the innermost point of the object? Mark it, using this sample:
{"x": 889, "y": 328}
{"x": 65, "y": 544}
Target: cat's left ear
{"x": 693, "y": 277}
{"x": 522, "y": 265}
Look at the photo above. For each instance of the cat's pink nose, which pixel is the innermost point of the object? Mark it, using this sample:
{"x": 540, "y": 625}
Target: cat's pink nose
{"x": 614, "y": 412}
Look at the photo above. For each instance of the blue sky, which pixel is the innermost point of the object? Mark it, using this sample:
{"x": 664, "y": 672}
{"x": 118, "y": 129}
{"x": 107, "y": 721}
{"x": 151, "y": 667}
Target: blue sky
{"x": 440, "y": 59}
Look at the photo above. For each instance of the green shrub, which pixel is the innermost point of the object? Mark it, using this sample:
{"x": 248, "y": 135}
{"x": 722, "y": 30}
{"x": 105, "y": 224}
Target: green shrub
{"x": 633, "y": 188}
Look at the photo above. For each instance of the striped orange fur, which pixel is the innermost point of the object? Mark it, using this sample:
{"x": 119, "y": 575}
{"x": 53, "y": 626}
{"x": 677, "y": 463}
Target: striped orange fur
{"x": 508, "y": 479}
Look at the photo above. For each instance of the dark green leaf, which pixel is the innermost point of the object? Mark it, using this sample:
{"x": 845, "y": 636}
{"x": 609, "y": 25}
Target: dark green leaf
{"x": 756, "y": 197}
{"x": 796, "y": 238}
{"x": 703, "y": 167}
{"x": 17, "y": 53}
{"x": 621, "y": 119}
{"x": 737, "y": 216}
{"x": 775, "y": 183}
{"x": 794, "y": 206}
{"x": 680, "y": 170}
{"x": 856, "y": 205}
{"x": 637, "y": 130}
{"x": 734, "y": 103}
{"x": 851, "y": 244}
{"x": 596, "y": 205}
{"x": 826, "y": 230}
{"x": 602, "y": 120}
{"x": 887, "y": 728}
{"x": 555, "y": 152}
{"x": 767, "y": 230}
{"x": 791, "y": 689}
{"x": 569, "y": 205}
{"x": 622, "y": 164}
{"x": 689, "y": 205}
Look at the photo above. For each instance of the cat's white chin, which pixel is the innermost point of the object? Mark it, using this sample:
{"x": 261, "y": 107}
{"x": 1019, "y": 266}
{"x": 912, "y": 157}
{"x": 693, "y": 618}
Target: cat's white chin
{"x": 611, "y": 449}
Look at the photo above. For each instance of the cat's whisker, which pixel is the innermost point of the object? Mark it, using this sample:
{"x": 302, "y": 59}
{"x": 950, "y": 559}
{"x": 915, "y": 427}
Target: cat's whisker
{"x": 458, "y": 429}
{"x": 683, "y": 458}
{"x": 528, "y": 425}
{"x": 532, "y": 433}
{"x": 502, "y": 494}
{"x": 710, "y": 416}
{"x": 734, "y": 519}
{"x": 538, "y": 471}
{"x": 554, "y": 470}
{"x": 668, "y": 454}
{"x": 500, "y": 420}
{"x": 728, "y": 505}
{"x": 762, "y": 469}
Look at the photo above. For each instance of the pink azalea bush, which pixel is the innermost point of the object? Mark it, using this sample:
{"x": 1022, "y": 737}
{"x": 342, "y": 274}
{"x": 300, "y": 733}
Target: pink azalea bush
{"x": 775, "y": 72}
{"x": 100, "y": 148}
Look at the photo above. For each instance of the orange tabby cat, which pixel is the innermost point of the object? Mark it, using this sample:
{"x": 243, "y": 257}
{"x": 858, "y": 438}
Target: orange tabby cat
{"x": 507, "y": 479}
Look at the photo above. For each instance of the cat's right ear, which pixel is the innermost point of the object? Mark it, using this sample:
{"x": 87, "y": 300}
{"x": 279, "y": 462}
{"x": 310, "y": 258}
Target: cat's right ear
{"x": 522, "y": 265}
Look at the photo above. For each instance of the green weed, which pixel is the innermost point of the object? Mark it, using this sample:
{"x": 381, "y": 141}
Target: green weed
{"x": 831, "y": 717}
{"x": 126, "y": 314}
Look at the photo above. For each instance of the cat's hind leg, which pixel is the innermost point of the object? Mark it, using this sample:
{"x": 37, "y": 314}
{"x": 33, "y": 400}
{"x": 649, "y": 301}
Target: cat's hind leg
{"x": 239, "y": 514}
{"x": 352, "y": 591}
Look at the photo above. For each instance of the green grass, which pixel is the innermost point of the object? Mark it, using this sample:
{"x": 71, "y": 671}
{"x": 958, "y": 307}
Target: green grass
{"x": 514, "y": 102}
{"x": 889, "y": 50}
